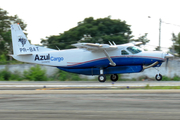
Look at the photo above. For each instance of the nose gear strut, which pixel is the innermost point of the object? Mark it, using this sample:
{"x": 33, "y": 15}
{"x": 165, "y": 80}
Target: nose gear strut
{"x": 158, "y": 76}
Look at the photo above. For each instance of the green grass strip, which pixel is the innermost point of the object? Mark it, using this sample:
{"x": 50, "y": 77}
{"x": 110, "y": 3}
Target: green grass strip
{"x": 162, "y": 87}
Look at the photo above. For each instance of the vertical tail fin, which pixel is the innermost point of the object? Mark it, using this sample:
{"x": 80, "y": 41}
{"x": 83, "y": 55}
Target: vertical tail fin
{"x": 21, "y": 45}
{"x": 19, "y": 39}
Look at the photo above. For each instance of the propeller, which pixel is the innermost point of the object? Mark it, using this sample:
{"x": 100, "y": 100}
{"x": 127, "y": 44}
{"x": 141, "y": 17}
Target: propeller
{"x": 167, "y": 60}
{"x": 168, "y": 56}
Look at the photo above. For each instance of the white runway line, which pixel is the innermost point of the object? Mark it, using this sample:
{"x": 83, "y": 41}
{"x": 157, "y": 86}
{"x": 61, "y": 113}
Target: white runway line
{"x": 71, "y": 85}
{"x": 110, "y": 85}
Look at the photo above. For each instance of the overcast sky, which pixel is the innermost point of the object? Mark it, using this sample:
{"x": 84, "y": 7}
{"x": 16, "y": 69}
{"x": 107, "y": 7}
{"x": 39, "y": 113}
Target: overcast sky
{"x": 51, "y": 17}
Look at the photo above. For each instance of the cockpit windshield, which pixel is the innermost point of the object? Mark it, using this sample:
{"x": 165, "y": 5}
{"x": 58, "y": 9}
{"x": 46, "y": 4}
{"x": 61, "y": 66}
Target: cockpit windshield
{"x": 134, "y": 49}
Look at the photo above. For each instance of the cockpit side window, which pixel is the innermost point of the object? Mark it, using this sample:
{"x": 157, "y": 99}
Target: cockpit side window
{"x": 134, "y": 50}
{"x": 123, "y": 52}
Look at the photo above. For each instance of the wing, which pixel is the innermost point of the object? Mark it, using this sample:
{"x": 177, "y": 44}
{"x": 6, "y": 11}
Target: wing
{"x": 99, "y": 47}
{"x": 93, "y": 47}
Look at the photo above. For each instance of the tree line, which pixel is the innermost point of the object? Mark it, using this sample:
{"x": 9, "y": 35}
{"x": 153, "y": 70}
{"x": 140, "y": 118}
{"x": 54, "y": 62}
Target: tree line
{"x": 101, "y": 30}
{"x": 92, "y": 30}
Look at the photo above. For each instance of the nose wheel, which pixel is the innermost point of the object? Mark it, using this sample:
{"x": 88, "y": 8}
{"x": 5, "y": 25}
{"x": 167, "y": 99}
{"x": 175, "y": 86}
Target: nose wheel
{"x": 158, "y": 77}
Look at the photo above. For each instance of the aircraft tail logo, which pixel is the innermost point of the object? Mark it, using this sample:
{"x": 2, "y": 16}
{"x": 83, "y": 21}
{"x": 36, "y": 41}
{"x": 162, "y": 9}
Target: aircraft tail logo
{"x": 23, "y": 41}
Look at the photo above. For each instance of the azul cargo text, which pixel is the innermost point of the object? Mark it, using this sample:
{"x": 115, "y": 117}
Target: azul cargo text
{"x": 47, "y": 57}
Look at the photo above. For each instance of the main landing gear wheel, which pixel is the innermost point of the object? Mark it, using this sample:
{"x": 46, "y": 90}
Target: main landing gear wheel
{"x": 102, "y": 78}
{"x": 158, "y": 77}
{"x": 114, "y": 77}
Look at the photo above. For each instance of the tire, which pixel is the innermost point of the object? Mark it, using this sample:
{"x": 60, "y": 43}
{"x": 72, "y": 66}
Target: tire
{"x": 158, "y": 77}
{"x": 102, "y": 78}
{"x": 114, "y": 77}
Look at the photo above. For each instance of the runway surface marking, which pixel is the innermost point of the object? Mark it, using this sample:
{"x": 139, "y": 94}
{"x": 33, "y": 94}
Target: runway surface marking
{"x": 88, "y": 91}
{"x": 61, "y": 84}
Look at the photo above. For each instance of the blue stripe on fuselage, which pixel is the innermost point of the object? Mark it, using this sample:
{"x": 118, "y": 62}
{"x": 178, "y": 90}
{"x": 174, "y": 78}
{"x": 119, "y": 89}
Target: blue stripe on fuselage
{"x": 119, "y": 60}
{"x": 109, "y": 70}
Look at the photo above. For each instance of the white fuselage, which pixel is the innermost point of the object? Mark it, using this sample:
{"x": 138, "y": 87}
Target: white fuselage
{"x": 71, "y": 57}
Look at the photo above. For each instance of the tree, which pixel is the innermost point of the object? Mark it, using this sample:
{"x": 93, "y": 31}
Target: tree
{"x": 157, "y": 48}
{"x": 5, "y": 31}
{"x": 142, "y": 39}
{"x": 100, "y": 30}
{"x": 176, "y": 43}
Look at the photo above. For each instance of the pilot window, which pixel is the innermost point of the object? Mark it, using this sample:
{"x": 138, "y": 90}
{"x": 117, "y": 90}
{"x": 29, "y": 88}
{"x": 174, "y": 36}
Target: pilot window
{"x": 123, "y": 52}
{"x": 134, "y": 50}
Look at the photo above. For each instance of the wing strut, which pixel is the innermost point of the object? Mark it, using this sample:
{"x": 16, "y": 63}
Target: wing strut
{"x": 110, "y": 60}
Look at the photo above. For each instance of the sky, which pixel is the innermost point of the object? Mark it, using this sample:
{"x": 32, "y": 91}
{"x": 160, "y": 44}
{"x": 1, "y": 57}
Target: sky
{"x": 51, "y": 17}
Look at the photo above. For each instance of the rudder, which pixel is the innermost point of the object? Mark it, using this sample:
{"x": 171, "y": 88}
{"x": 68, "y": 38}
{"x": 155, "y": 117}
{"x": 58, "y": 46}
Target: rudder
{"x": 19, "y": 39}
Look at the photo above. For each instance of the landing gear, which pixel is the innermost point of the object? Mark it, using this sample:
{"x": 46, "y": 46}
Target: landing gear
{"x": 102, "y": 78}
{"x": 114, "y": 77}
{"x": 158, "y": 77}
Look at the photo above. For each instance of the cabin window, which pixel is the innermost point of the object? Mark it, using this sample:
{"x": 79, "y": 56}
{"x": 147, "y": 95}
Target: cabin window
{"x": 123, "y": 52}
{"x": 134, "y": 50}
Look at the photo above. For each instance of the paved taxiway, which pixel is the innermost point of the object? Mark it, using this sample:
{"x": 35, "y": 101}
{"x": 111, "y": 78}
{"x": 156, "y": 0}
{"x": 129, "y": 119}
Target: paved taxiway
{"x": 116, "y": 104}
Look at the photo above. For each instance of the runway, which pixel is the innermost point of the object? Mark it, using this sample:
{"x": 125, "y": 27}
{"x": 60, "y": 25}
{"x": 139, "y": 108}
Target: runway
{"x": 91, "y": 104}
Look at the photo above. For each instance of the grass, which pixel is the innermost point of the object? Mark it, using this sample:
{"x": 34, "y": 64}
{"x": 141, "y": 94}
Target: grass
{"x": 161, "y": 87}
{"x": 13, "y": 62}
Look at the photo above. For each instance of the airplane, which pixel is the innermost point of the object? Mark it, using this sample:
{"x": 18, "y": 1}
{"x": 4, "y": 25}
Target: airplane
{"x": 89, "y": 58}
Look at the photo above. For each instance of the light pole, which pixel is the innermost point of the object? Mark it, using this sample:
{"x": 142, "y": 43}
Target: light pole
{"x": 160, "y": 21}
{"x": 160, "y": 34}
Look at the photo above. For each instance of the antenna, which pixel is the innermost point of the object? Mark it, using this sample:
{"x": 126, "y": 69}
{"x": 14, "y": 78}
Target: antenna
{"x": 114, "y": 43}
{"x": 110, "y": 43}
{"x": 57, "y": 48}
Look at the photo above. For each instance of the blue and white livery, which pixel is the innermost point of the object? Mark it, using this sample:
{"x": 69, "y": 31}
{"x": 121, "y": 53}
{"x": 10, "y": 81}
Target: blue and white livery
{"x": 88, "y": 58}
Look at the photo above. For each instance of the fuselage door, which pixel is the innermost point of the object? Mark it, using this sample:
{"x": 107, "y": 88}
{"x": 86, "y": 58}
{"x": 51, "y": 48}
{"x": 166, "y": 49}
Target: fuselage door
{"x": 126, "y": 57}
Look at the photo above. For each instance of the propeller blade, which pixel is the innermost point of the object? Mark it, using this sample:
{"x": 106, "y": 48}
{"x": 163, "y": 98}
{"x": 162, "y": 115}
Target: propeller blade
{"x": 167, "y": 56}
{"x": 167, "y": 60}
